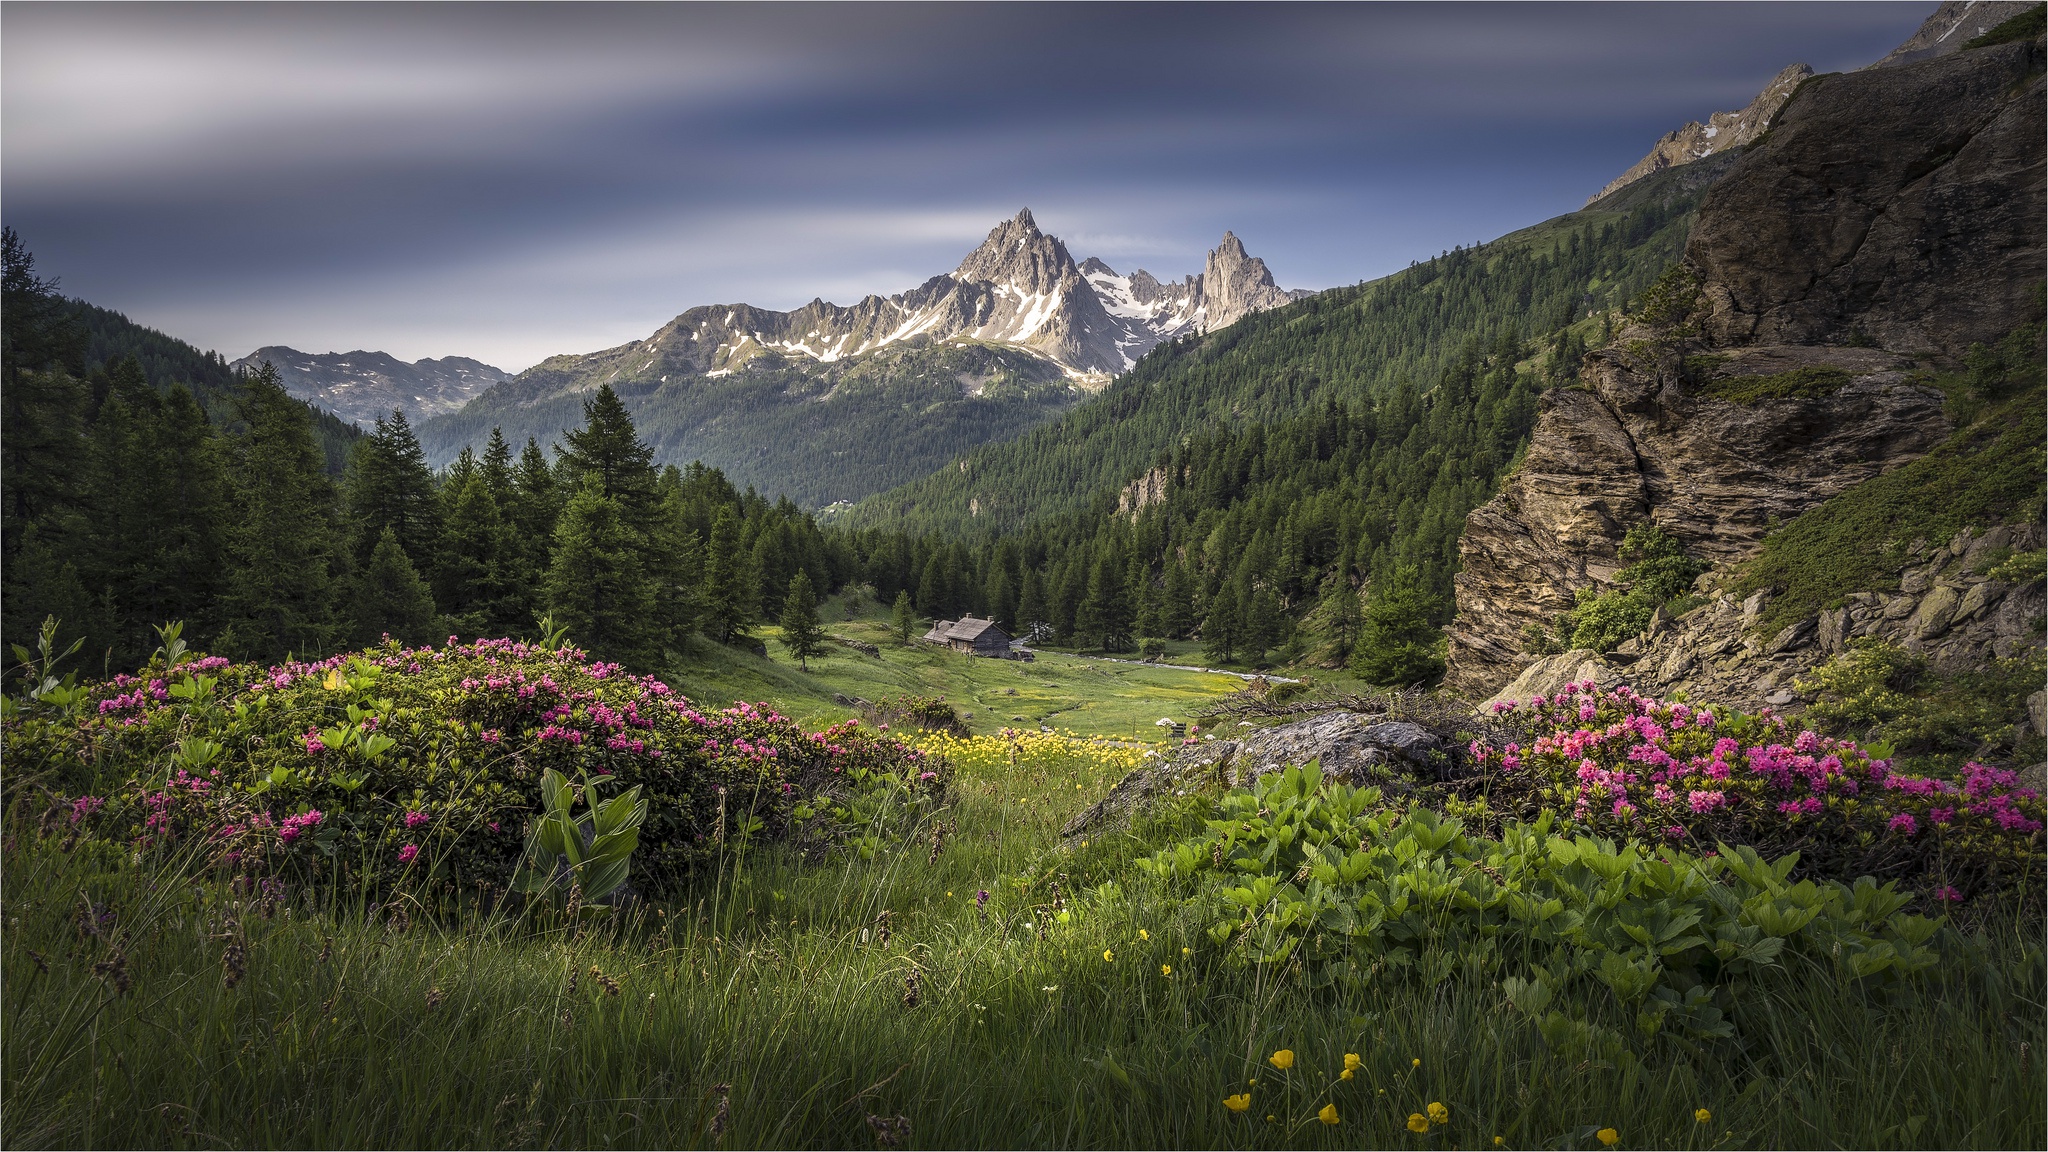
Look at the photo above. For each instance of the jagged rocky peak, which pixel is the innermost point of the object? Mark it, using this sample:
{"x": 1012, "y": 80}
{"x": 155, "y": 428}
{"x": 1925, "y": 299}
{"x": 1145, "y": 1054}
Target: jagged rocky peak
{"x": 1236, "y": 284}
{"x": 1722, "y": 131}
{"x": 1017, "y": 255}
{"x": 362, "y": 386}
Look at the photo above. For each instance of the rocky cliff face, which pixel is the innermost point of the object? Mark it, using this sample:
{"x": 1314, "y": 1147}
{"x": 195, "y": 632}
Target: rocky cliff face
{"x": 1953, "y": 24}
{"x": 1721, "y": 132}
{"x": 1898, "y": 208}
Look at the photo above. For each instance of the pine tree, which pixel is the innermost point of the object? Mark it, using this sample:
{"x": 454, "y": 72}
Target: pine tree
{"x": 1262, "y": 628}
{"x": 608, "y": 448}
{"x": 678, "y": 570}
{"x": 390, "y": 486}
{"x": 1105, "y": 615}
{"x": 596, "y": 587}
{"x": 1398, "y": 645}
{"x": 932, "y": 597}
{"x": 285, "y": 550}
{"x": 391, "y": 599}
{"x": 536, "y": 505}
{"x": 474, "y": 580}
{"x": 903, "y": 619}
{"x": 1177, "y": 602}
{"x": 1222, "y": 628}
{"x": 801, "y": 632}
{"x": 729, "y": 584}
{"x": 1031, "y": 603}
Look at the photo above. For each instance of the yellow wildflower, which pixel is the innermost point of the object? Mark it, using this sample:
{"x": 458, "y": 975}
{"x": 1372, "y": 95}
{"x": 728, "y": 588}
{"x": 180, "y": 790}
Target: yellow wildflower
{"x": 1438, "y": 1114}
{"x": 1166, "y": 969}
{"x": 1328, "y": 1115}
{"x": 1108, "y": 955}
{"x": 1187, "y": 951}
{"x": 1348, "y": 1074}
{"x": 1608, "y": 1136}
{"x": 1499, "y": 1141}
{"x": 1239, "y": 1102}
{"x": 1417, "y": 1122}
{"x": 1415, "y": 1063}
{"x": 1283, "y": 1059}
{"x": 1144, "y": 935}
{"x": 1352, "y": 1063}
{"x": 1702, "y": 1115}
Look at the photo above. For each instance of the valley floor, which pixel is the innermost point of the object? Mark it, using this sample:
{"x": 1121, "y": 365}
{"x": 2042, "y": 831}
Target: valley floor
{"x": 850, "y": 1003}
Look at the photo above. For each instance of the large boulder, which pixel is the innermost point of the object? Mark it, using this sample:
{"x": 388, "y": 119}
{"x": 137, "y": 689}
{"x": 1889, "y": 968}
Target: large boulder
{"x": 1354, "y": 748}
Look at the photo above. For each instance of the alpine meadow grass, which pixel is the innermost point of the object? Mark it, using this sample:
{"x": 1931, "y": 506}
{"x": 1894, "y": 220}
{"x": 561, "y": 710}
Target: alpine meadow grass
{"x": 954, "y": 990}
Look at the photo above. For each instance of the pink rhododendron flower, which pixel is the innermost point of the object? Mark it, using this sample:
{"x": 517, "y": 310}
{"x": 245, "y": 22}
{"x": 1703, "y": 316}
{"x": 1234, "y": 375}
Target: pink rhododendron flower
{"x": 406, "y": 854}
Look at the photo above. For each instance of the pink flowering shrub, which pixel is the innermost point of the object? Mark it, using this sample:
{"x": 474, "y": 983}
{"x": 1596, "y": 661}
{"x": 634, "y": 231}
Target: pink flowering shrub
{"x": 424, "y": 762}
{"x": 1623, "y": 763}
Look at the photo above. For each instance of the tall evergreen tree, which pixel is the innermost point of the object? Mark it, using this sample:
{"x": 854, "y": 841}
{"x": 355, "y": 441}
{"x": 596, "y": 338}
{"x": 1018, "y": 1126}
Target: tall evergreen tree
{"x": 678, "y": 571}
{"x": 1398, "y": 644}
{"x": 535, "y": 506}
{"x": 1105, "y": 614}
{"x": 390, "y": 486}
{"x": 285, "y": 550}
{"x": 391, "y": 599}
{"x": 903, "y": 619}
{"x": 1031, "y": 602}
{"x": 729, "y": 584}
{"x": 801, "y": 632}
{"x": 1223, "y": 627}
{"x": 475, "y": 580}
{"x": 609, "y": 449}
{"x": 596, "y": 587}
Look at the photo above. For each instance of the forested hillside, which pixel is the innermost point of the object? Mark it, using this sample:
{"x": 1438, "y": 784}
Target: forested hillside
{"x": 816, "y": 433}
{"x": 166, "y": 360}
{"x": 1351, "y": 345}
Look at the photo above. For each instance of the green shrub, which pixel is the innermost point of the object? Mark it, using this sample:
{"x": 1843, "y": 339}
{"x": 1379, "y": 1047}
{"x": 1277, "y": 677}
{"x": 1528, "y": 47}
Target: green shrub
{"x": 1931, "y": 721}
{"x": 1810, "y": 383}
{"x": 1299, "y": 867}
{"x": 415, "y": 765}
{"x": 1658, "y": 571}
{"x": 2027, "y": 25}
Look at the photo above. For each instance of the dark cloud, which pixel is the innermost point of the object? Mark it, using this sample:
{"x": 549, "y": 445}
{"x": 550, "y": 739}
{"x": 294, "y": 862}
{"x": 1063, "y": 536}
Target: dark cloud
{"x": 508, "y": 182}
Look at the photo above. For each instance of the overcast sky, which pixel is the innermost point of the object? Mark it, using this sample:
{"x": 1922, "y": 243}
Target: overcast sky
{"x": 513, "y": 182}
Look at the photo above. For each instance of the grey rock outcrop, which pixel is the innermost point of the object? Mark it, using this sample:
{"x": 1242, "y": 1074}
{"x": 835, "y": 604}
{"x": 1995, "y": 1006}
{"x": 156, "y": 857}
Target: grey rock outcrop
{"x": 1235, "y": 285}
{"x": 1957, "y": 617}
{"x": 1722, "y": 131}
{"x": 1899, "y": 207}
{"x": 1350, "y": 747}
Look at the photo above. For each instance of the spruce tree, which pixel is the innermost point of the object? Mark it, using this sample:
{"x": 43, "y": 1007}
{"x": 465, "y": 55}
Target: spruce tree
{"x": 729, "y": 585}
{"x": 474, "y": 582}
{"x": 1177, "y": 602}
{"x": 535, "y": 506}
{"x": 932, "y": 597}
{"x": 596, "y": 587}
{"x": 390, "y": 486}
{"x": 1398, "y": 645}
{"x": 285, "y": 550}
{"x": 1222, "y": 628}
{"x": 609, "y": 449}
{"x": 903, "y": 619}
{"x": 1031, "y": 603}
{"x": 678, "y": 571}
{"x": 391, "y": 599}
{"x": 801, "y": 632}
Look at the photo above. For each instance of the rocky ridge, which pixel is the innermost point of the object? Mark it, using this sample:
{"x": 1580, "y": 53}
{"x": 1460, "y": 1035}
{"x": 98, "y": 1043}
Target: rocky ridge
{"x": 1947, "y": 608}
{"x": 362, "y": 387}
{"x": 1722, "y": 132}
{"x": 1020, "y": 288}
{"x": 1898, "y": 208}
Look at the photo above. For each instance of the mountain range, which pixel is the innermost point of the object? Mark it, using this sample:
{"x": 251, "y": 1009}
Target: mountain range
{"x": 829, "y": 403}
{"x": 361, "y": 387}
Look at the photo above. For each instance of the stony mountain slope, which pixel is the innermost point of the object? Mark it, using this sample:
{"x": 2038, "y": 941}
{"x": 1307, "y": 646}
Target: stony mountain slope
{"x": 362, "y": 386}
{"x": 1891, "y": 219}
{"x": 1722, "y": 131}
{"x": 831, "y": 403}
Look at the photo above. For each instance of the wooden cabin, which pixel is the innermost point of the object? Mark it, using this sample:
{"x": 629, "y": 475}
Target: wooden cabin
{"x": 972, "y": 635}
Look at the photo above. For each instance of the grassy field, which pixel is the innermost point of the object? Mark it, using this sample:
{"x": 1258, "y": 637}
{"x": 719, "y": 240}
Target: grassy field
{"x": 770, "y": 1008}
{"x": 1066, "y": 692}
